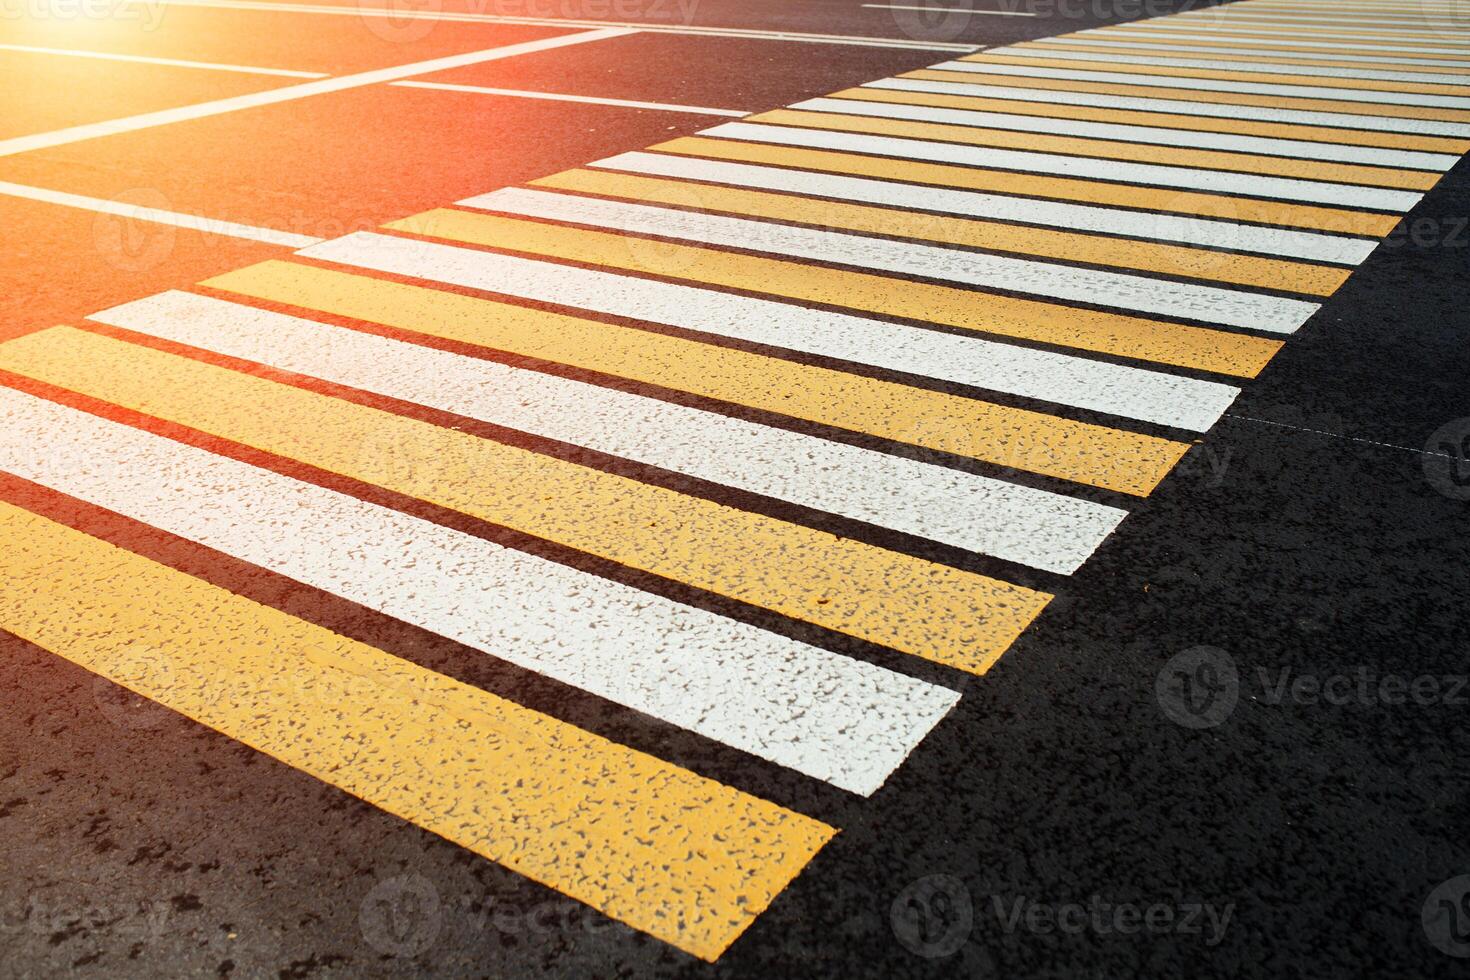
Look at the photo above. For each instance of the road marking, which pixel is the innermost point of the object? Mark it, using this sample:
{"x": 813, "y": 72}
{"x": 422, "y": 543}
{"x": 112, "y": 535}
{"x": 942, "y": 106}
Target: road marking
{"x": 1193, "y": 301}
{"x": 1283, "y": 152}
{"x": 1427, "y": 5}
{"x": 1110, "y": 333}
{"x": 1412, "y": 17}
{"x": 1020, "y": 524}
{"x": 826, "y": 716}
{"x": 967, "y": 133}
{"x": 683, "y": 858}
{"x": 1196, "y": 231}
{"x": 1388, "y": 27}
{"x": 588, "y": 99}
{"x": 1113, "y": 459}
{"x": 892, "y": 411}
{"x": 1274, "y": 43}
{"x": 1321, "y": 78}
{"x": 409, "y": 13}
{"x": 1350, "y": 15}
{"x": 944, "y": 614}
{"x": 1242, "y": 51}
{"x": 1344, "y": 111}
{"x": 1384, "y": 31}
{"x": 1210, "y": 181}
{"x": 944, "y": 84}
{"x": 289, "y": 93}
{"x": 967, "y": 11}
{"x": 1055, "y": 54}
{"x": 1327, "y": 138}
{"x": 1338, "y": 35}
{"x": 1207, "y": 89}
{"x": 905, "y": 223}
{"x": 1292, "y": 216}
{"x": 169, "y": 62}
{"x": 209, "y": 226}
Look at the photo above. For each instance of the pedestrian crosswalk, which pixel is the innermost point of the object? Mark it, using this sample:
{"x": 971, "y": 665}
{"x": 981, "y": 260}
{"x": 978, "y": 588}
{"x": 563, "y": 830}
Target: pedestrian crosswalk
{"x": 882, "y": 367}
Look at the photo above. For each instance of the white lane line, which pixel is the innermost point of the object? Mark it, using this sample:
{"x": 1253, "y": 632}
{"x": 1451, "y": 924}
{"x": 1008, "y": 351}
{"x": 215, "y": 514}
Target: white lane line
{"x": 169, "y": 62}
{"x": 1063, "y": 379}
{"x": 1206, "y": 232}
{"x": 1319, "y": 71}
{"x": 211, "y": 226}
{"x": 1212, "y": 85}
{"x": 588, "y": 99}
{"x": 1194, "y": 139}
{"x": 1220, "y": 110}
{"x": 399, "y": 12}
{"x": 833, "y": 718}
{"x": 1135, "y": 293}
{"x": 946, "y": 10}
{"x": 1033, "y": 527}
{"x": 288, "y": 93}
{"x": 1222, "y": 46}
{"x": 1090, "y": 168}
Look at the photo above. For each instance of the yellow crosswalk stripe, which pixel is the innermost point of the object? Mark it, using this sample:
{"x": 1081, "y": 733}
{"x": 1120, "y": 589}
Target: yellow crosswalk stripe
{"x": 1109, "y": 149}
{"x": 1299, "y": 28}
{"x": 1096, "y": 455}
{"x": 1202, "y": 95}
{"x": 1242, "y": 127}
{"x": 1303, "y": 216}
{"x": 948, "y": 615}
{"x": 1219, "y": 74}
{"x": 1109, "y": 333}
{"x": 1174, "y": 260}
{"x": 681, "y": 857}
{"x": 1255, "y": 59}
{"x": 1246, "y": 36}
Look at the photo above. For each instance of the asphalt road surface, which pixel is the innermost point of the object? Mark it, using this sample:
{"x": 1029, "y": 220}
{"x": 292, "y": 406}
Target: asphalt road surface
{"x": 639, "y": 488}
